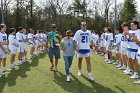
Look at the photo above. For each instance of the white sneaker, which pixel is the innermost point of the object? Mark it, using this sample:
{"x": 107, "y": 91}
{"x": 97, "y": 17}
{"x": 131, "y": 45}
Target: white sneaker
{"x": 122, "y": 68}
{"x": 79, "y": 73}
{"x": 68, "y": 79}
{"x": 134, "y": 76}
{"x": 110, "y": 62}
{"x": 129, "y": 72}
{"x": 119, "y": 65}
{"x": 12, "y": 66}
{"x": 4, "y": 69}
{"x": 137, "y": 82}
{"x": 90, "y": 77}
{"x": 125, "y": 70}
{"x": 115, "y": 63}
{"x": 106, "y": 60}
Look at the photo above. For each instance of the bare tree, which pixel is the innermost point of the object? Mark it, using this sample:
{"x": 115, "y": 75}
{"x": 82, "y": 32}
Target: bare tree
{"x": 107, "y": 4}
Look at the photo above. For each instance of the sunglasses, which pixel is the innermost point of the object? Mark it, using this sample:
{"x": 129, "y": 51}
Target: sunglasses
{"x": 53, "y": 27}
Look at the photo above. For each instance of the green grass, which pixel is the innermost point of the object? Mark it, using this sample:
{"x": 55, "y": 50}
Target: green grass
{"x": 35, "y": 77}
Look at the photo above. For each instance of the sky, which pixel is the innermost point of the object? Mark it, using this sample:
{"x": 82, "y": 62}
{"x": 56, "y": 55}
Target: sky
{"x": 118, "y": 1}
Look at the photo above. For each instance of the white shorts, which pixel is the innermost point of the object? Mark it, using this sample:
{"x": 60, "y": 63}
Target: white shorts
{"x": 132, "y": 55}
{"x": 3, "y": 55}
{"x": 13, "y": 51}
{"x": 32, "y": 44}
{"x": 79, "y": 55}
{"x": 38, "y": 43}
{"x": 123, "y": 50}
{"x": 21, "y": 48}
{"x": 25, "y": 46}
{"x": 138, "y": 57}
{"x": 102, "y": 44}
{"x": 108, "y": 48}
{"x": 117, "y": 50}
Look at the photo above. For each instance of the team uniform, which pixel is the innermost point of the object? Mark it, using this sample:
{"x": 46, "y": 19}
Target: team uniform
{"x": 83, "y": 39}
{"x": 95, "y": 39}
{"x": 132, "y": 48}
{"x": 138, "y": 37}
{"x": 31, "y": 38}
{"x": 20, "y": 39}
{"x": 117, "y": 42}
{"x": 13, "y": 44}
{"x": 38, "y": 40}
{"x": 3, "y": 38}
{"x": 25, "y": 43}
{"x": 44, "y": 37}
{"x": 124, "y": 44}
{"x": 102, "y": 40}
{"x": 108, "y": 41}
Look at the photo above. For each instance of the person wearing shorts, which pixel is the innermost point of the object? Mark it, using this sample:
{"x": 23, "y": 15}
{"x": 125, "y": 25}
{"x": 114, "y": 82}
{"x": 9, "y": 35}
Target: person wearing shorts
{"x": 13, "y": 46}
{"x": 25, "y": 45}
{"x": 53, "y": 42}
{"x": 20, "y": 39}
{"x": 82, "y": 41}
{"x": 31, "y": 40}
{"x": 3, "y": 47}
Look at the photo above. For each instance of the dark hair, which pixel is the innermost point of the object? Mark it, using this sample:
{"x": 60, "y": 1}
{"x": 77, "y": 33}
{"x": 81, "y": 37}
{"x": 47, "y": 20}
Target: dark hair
{"x": 12, "y": 30}
{"x": 120, "y": 30}
{"x": 109, "y": 29}
{"x": 2, "y": 26}
{"x": 125, "y": 24}
{"x": 30, "y": 30}
{"x": 20, "y": 28}
{"x": 136, "y": 23}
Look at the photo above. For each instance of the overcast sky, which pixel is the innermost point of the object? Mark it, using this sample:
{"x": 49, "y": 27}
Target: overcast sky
{"x": 118, "y": 1}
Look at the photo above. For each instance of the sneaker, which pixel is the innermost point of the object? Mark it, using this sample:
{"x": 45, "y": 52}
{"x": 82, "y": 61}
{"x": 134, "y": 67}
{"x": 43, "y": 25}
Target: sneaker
{"x": 79, "y": 73}
{"x": 12, "y": 66}
{"x": 119, "y": 65}
{"x": 134, "y": 76}
{"x": 90, "y": 77}
{"x": 4, "y": 69}
{"x": 106, "y": 60}
{"x": 122, "y": 68}
{"x": 129, "y": 72}
{"x": 115, "y": 63}
{"x": 137, "y": 82}
{"x": 125, "y": 70}
{"x": 68, "y": 79}
{"x": 110, "y": 62}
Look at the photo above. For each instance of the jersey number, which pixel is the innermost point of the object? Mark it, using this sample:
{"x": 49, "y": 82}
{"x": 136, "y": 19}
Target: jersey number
{"x": 84, "y": 39}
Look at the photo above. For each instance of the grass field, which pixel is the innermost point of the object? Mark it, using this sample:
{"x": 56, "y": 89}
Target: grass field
{"x": 35, "y": 77}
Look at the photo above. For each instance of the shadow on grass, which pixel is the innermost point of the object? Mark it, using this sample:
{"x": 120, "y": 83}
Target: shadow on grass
{"x": 11, "y": 77}
{"x": 98, "y": 87}
{"x": 122, "y": 91}
{"x": 76, "y": 86}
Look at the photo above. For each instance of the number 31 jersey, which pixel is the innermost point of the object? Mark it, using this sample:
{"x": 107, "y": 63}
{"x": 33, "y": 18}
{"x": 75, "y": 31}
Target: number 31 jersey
{"x": 83, "y": 39}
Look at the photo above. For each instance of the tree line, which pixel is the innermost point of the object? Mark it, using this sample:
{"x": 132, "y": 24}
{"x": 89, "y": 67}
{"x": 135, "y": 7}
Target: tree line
{"x": 67, "y": 14}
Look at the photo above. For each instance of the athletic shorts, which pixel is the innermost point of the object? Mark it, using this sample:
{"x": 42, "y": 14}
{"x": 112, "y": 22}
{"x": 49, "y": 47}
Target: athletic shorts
{"x": 108, "y": 48}
{"x": 54, "y": 52}
{"x": 13, "y": 51}
{"x": 25, "y": 46}
{"x": 117, "y": 50}
{"x": 123, "y": 50}
{"x": 132, "y": 55}
{"x": 79, "y": 55}
{"x": 3, "y": 55}
{"x": 38, "y": 43}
